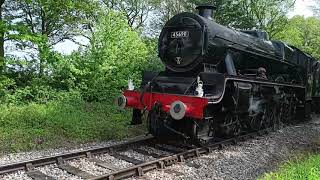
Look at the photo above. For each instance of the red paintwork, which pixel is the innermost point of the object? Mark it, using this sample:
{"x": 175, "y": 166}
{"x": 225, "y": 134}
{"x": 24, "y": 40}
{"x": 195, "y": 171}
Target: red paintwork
{"x": 195, "y": 105}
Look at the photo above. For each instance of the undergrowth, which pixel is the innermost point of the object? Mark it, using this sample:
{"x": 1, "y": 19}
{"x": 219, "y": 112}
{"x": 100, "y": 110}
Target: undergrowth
{"x": 304, "y": 167}
{"x": 61, "y": 123}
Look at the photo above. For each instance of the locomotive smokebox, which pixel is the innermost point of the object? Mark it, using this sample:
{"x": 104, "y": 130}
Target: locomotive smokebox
{"x": 206, "y": 11}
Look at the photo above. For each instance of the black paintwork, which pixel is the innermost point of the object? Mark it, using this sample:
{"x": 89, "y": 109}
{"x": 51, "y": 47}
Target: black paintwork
{"x": 208, "y": 42}
{"x": 227, "y": 62}
{"x": 212, "y": 47}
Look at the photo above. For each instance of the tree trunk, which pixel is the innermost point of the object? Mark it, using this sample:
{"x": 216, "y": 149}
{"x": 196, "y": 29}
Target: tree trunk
{"x": 41, "y": 63}
{"x": 2, "y": 63}
{"x": 43, "y": 45}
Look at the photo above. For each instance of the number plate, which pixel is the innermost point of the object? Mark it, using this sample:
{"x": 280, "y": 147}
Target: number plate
{"x": 179, "y": 34}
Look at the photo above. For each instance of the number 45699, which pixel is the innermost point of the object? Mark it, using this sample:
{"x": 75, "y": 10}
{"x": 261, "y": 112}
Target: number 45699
{"x": 179, "y": 34}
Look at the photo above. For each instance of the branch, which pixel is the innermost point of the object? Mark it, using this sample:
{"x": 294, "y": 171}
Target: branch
{"x": 30, "y": 22}
{"x": 43, "y": 22}
{"x": 76, "y": 42}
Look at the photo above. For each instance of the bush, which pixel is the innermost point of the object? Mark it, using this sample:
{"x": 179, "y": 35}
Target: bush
{"x": 120, "y": 54}
{"x": 154, "y": 63}
{"x": 301, "y": 168}
{"x": 61, "y": 123}
{"x": 11, "y": 94}
{"x": 116, "y": 54}
{"x": 70, "y": 101}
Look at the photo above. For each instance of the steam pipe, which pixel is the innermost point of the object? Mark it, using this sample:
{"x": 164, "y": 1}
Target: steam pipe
{"x": 206, "y": 11}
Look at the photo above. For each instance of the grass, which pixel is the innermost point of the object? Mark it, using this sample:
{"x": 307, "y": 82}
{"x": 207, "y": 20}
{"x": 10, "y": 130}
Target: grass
{"x": 57, "y": 124}
{"x": 305, "y": 167}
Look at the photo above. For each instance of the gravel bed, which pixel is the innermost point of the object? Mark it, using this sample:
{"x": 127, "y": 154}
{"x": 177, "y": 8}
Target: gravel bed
{"x": 88, "y": 167}
{"x": 15, "y": 157}
{"x": 249, "y": 159}
{"x": 24, "y": 156}
{"x": 153, "y": 150}
{"x": 20, "y": 175}
{"x": 113, "y": 161}
{"x": 138, "y": 156}
{"x": 54, "y": 171}
{"x": 246, "y": 160}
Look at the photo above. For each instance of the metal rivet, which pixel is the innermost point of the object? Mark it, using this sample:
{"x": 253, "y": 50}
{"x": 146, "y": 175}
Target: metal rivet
{"x": 60, "y": 160}
{"x": 197, "y": 152}
{"x": 181, "y": 158}
{"x": 88, "y": 154}
{"x": 111, "y": 177}
{"x": 161, "y": 165}
{"x": 221, "y": 146}
{"x": 29, "y": 166}
{"x": 140, "y": 171}
{"x": 234, "y": 141}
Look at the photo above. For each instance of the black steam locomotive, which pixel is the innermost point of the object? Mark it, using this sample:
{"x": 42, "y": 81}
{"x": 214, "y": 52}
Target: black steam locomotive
{"x": 220, "y": 82}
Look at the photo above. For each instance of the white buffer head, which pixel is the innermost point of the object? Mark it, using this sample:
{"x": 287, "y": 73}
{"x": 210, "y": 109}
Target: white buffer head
{"x": 121, "y": 101}
{"x": 178, "y": 110}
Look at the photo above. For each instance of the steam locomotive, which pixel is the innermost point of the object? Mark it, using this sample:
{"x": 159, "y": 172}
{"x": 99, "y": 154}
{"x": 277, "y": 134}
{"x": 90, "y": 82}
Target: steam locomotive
{"x": 220, "y": 82}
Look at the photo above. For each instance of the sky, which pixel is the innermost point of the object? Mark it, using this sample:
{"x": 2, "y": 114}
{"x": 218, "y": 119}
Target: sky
{"x": 301, "y": 8}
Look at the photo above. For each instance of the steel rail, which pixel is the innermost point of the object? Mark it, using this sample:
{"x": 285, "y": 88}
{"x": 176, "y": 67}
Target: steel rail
{"x": 161, "y": 163}
{"x": 30, "y": 164}
{"x": 137, "y": 169}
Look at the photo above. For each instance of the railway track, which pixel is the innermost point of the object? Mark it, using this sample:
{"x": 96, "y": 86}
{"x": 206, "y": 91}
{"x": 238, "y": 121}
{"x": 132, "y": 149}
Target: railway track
{"x": 165, "y": 155}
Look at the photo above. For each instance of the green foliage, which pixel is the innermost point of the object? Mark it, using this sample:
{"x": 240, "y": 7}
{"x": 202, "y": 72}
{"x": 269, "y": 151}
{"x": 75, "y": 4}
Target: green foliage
{"x": 119, "y": 51}
{"x": 301, "y": 168}
{"x": 53, "y": 20}
{"x": 303, "y": 33}
{"x": 116, "y": 55}
{"x": 41, "y": 24}
{"x": 136, "y": 11}
{"x": 241, "y": 14}
{"x": 39, "y": 94}
{"x": 70, "y": 103}
{"x": 5, "y": 84}
{"x": 98, "y": 72}
{"x": 153, "y": 61}
{"x": 256, "y": 14}
{"x": 49, "y": 98}
{"x": 60, "y": 123}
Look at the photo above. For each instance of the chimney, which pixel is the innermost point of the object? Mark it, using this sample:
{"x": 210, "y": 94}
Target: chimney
{"x": 206, "y": 11}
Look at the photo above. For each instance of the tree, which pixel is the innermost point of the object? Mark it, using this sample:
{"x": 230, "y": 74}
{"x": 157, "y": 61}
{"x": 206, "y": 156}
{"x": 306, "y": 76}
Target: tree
{"x": 241, "y": 14}
{"x": 119, "y": 54}
{"x": 256, "y": 14}
{"x": 316, "y": 8}
{"x": 154, "y": 63}
{"x": 2, "y": 31}
{"x": 101, "y": 71}
{"x": 303, "y": 33}
{"x": 135, "y": 11}
{"x": 41, "y": 24}
{"x": 169, "y": 8}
